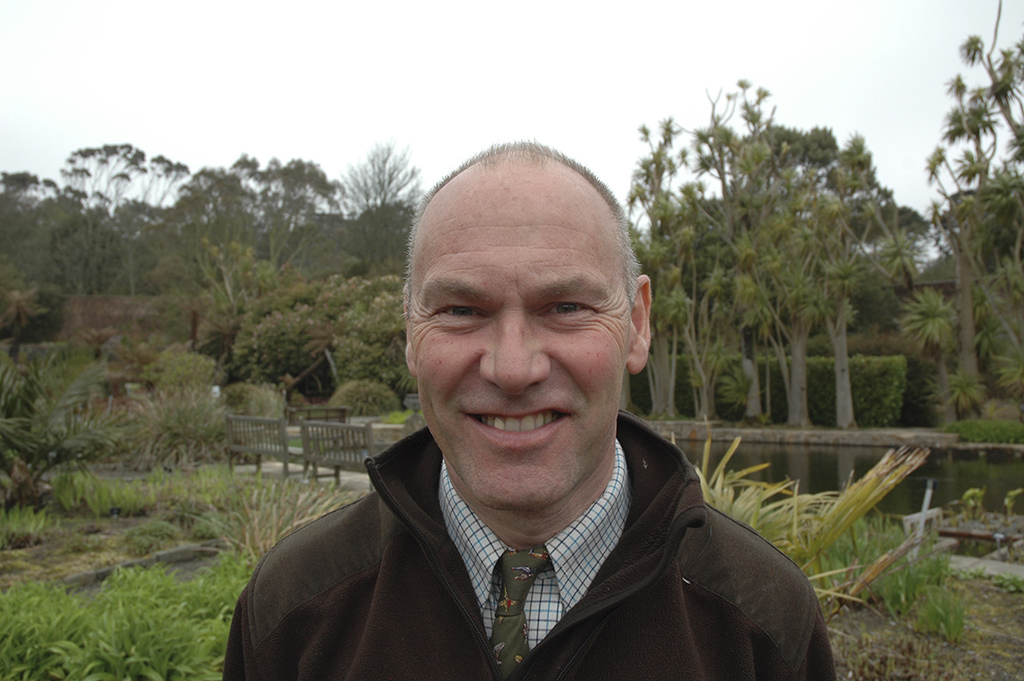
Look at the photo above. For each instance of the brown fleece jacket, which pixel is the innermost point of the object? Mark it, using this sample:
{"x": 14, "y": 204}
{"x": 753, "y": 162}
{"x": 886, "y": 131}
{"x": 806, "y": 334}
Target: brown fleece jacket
{"x": 377, "y": 590}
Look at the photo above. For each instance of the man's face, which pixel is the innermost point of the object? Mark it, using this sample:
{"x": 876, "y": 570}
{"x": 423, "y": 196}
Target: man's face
{"x": 519, "y": 328}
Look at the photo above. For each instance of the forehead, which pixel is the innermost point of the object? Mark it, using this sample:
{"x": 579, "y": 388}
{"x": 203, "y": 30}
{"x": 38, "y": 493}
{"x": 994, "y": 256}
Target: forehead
{"x": 514, "y": 204}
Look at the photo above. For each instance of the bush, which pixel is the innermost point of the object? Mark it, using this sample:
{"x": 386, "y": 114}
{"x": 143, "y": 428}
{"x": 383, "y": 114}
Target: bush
{"x": 254, "y": 400}
{"x": 365, "y": 398}
{"x": 176, "y": 368}
{"x": 149, "y": 537}
{"x": 988, "y": 431}
{"x": 177, "y": 428}
{"x": 272, "y": 510}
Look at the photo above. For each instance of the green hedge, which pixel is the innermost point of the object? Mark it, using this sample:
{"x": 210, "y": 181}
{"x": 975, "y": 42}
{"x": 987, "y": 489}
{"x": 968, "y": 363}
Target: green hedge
{"x": 988, "y": 431}
{"x": 878, "y": 385}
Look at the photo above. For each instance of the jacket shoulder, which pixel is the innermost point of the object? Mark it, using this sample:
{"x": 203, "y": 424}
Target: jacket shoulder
{"x": 342, "y": 544}
{"x": 739, "y": 566}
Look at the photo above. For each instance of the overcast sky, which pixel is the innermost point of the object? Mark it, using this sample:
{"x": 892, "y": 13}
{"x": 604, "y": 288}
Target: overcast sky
{"x": 204, "y": 82}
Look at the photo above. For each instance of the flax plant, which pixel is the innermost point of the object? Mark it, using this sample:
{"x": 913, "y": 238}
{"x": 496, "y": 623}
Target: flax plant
{"x": 805, "y": 526}
{"x": 273, "y": 510}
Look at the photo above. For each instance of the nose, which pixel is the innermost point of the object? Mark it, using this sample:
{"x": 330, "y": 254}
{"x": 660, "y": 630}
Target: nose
{"x": 514, "y": 358}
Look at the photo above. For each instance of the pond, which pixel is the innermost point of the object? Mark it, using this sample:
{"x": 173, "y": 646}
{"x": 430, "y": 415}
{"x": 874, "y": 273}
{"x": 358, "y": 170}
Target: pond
{"x": 821, "y": 468}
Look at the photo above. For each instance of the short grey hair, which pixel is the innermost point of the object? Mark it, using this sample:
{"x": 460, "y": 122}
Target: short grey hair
{"x": 534, "y": 152}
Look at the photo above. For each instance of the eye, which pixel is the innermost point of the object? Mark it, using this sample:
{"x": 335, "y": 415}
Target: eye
{"x": 460, "y": 311}
{"x": 567, "y": 308}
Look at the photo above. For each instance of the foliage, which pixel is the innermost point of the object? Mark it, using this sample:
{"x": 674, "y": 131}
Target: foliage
{"x": 70, "y": 487}
{"x": 144, "y": 623}
{"x": 253, "y": 400}
{"x": 973, "y": 501}
{"x": 178, "y": 428}
{"x": 901, "y": 589}
{"x": 47, "y": 421}
{"x": 988, "y": 431}
{"x": 151, "y": 536}
{"x": 966, "y": 392}
{"x": 1010, "y": 499}
{"x": 878, "y": 383}
{"x": 398, "y": 417}
{"x": 365, "y": 398}
{"x": 175, "y": 368}
{"x": 942, "y": 612}
{"x": 806, "y": 527}
{"x": 117, "y": 498}
{"x": 270, "y": 511}
{"x": 358, "y": 321}
{"x": 896, "y": 654}
{"x": 1009, "y": 582}
{"x": 21, "y": 527}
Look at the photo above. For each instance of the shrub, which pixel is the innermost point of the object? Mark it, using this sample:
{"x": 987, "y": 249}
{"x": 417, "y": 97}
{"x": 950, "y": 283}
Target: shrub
{"x": 254, "y": 400}
{"x": 177, "y": 428}
{"x": 47, "y": 421}
{"x": 988, "y": 431}
{"x": 365, "y": 398}
{"x": 273, "y": 510}
{"x": 149, "y": 537}
{"x": 176, "y": 368}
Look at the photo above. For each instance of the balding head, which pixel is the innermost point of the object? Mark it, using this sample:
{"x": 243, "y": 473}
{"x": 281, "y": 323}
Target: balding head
{"x": 526, "y": 154}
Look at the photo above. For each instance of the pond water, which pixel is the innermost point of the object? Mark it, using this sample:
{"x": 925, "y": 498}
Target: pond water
{"x": 821, "y": 468}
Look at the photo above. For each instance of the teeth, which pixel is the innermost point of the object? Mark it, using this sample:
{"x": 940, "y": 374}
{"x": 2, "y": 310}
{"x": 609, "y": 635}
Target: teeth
{"x": 526, "y": 423}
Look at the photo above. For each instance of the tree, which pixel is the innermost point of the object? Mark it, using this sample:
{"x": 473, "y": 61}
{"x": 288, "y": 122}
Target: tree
{"x": 385, "y": 178}
{"x": 981, "y": 194}
{"x": 928, "y": 319}
{"x": 658, "y": 243}
{"x": 380, "y": 196}
{"x": 750, "y": 185}
{"x": 20, "y": 307}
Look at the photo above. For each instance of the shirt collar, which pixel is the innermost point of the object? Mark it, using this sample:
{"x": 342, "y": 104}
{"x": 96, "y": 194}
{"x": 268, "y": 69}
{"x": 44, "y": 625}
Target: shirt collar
{"x": 577, "y": 552}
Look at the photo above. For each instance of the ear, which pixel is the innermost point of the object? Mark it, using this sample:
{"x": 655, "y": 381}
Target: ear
{"x": 640, "y": 343}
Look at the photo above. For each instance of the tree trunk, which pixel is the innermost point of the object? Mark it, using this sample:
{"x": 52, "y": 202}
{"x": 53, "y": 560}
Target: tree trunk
{"x": 844, "y": 393}
{"x": 948, "y": 410}
{"x": 749, "y": 362}
{"x": 965, "y": 313}
{"x": 661, "y": 374}
{"x": 797, "y": 394}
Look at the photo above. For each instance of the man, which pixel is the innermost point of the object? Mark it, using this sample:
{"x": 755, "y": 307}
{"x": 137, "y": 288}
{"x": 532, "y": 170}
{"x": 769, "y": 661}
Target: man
{"x": 532, "y": 531}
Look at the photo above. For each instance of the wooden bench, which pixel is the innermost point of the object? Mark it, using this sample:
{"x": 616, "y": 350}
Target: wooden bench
{"x": 319, "y": 413}
{"x": 335, "y": 446}
{"x": 260, "y": 437}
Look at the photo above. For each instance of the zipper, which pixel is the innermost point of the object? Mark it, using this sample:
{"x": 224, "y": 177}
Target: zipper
{"x": 371, "y": 468}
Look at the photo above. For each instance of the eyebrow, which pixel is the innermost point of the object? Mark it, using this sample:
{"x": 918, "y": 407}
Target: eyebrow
{"x": 574, "y": 288}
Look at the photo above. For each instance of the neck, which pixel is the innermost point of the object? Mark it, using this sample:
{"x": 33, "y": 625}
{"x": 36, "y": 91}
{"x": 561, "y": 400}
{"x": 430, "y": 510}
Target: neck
{"x": 524, "y": 528}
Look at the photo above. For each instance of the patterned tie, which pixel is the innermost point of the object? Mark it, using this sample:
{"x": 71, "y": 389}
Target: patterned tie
{"x": 509, "y": 635}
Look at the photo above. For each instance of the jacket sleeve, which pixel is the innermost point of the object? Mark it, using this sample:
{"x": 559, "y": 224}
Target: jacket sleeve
{"x": 235, "y": 668}
{"x": 819, "y": 663}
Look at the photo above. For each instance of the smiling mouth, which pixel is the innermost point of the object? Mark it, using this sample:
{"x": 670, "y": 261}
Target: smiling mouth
{"x": 520, "y": 424}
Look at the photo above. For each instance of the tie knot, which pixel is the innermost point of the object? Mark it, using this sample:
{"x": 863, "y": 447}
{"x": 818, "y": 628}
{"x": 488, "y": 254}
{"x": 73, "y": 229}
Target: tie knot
{"x": 519, "y": 568}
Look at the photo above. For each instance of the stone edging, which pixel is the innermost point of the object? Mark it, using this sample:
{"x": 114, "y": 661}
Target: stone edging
{"x": 178, "y": 554}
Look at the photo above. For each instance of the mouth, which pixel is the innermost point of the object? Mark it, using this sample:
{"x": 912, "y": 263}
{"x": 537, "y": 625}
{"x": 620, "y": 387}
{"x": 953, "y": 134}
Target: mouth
{"x": 520, "y": 424}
